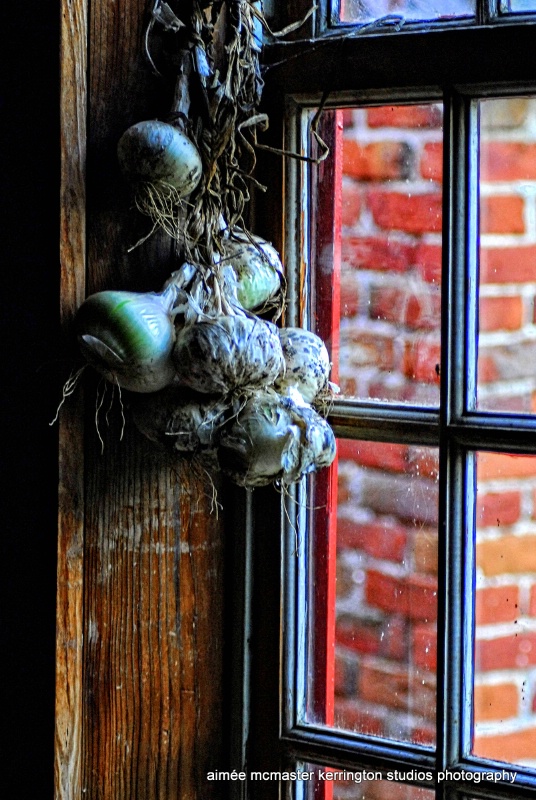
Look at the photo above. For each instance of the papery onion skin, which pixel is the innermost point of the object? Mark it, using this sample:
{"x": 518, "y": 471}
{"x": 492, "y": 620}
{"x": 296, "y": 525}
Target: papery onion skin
{"x": 157, "y": 152}
{"x": 127, "y": 337}
{"x": 182, "y": 420}
{"x": 262, "y": 444}
{"x": 258, "y": 269}
{"x": 318, "y": 446}
{"x": 307, "y": 363}
{"x": 227, "y": 354}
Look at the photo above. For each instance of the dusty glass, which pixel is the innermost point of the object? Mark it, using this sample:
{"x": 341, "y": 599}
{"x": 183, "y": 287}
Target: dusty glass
{"x": 504, "y": 702}
{"x": 335, "y": 783}
{"x": 507, "y": 256}
{"x": 373, "y": 631}
{"x": 410, "y": 10}
{"x": 390, "y": 253}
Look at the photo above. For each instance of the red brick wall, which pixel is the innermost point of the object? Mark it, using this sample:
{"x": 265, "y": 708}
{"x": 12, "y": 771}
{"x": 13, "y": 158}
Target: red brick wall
{"x": 387, "y": 515}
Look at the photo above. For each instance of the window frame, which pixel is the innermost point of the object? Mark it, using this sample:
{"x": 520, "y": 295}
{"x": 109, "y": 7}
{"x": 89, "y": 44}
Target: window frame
{"x": 277, "y": 736}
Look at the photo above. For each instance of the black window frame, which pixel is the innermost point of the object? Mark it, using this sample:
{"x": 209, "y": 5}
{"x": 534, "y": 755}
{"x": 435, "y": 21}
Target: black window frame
{"x": 456, "y": 63}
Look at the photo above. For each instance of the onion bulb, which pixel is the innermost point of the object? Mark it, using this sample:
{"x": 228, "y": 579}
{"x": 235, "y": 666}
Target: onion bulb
{"x": 180, "y": 419}
{"x": 158, "y": 152}
{"x": 318, "y": 447}
{"x": 128, "y": 337}
{"x": 274, "y": 439}
{"x": 228, "y": 353}
{"x": 262, "y": 445}
{"x": 307, "y": 363}
{"x": 257, "y": 266}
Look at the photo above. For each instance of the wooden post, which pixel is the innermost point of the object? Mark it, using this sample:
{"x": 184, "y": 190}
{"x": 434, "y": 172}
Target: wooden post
{"x": 140, "y": 576}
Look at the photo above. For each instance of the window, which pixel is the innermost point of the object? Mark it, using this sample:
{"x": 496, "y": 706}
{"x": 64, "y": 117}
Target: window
{"x": 395, "y": 634}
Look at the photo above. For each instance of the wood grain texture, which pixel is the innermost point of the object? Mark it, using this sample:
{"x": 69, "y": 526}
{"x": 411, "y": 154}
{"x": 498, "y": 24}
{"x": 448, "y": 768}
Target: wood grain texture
{"x": 153, "y": 619}
{"x": 69, "y": 628}
{"x": 141, "y": 555}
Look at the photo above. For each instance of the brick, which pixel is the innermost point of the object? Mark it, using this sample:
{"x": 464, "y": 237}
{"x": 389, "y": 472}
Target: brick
{"x": 360, "y": 636}
{"x": 344, "y": 494}
{"x": 386, "y": 540}
{"x": 508, "y": 264}
{"x": 422, "y": 598}
{"x": 378, "y": 161}
{"x": 428, "y": 261}
{"x": 498, "y": 508}
{"x": 509, "y": 554}
{"x": 501, "y": 465}
{"x": 497, "y": 702}
{"x": 425, "y": 552}
{"x": 345, "y": 674}
{"x": 431, "y": 164}
{"x": 496, "y": 604}
{"x": 421, "y": 116}
{"x": 500, "y": 313}
{"x": 379, "y": 455}
{"x": 506, "y": 652}
{"x": 532, "y": 601}
{"x": 424, "y": 646}
{"x": 352, "y": 202}
{"x": 422, "y": 361}
{"x": 347, "y": 117}
{"x": 410, "y": 500}
{"x": 507, "y": 747}
{"x": 502, "y": 214}
{"x": 377, "y": 253}
{"x": 415, "y": 597}
{"x": 487, "y": 369}
{"x": 423, "y": 734}
{"x": 394, "y": 644}
{"x": 350, "y": 716}
{"x": 394, "y": 687}
{"x": 349, "y": 297}
{"x": 507, "y": 161}
{"x": 372, "y": 349}
{"x": 416, "y": 213}
{"x": 423, "y": 461}
{"x": 416, "y": 309}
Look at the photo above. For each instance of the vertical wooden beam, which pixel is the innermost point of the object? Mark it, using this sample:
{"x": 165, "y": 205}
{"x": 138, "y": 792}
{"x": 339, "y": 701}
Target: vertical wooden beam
{"x": 140, "y": 575}
{"x": 69, "y": 633}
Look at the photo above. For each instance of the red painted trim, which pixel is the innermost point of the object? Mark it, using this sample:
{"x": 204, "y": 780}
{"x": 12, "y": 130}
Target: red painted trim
{"x": 326, "y": 258}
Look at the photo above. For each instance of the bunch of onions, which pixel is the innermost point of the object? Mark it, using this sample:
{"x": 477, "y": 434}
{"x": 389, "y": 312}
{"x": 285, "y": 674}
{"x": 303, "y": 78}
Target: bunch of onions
{"x": 128, "y": 337}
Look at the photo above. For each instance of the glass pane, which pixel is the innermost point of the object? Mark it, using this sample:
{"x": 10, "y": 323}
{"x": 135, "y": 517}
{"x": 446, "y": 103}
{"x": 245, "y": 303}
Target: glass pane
{"x": 362, "y": 784}
{"x": 513, "y": 6}
{"x": 505, "y": 612}
{"x": 390, "y": 271}
{"x": 370, "y": 10}
{"x": 507, "y": 299}
{"x": 380, "y": 653}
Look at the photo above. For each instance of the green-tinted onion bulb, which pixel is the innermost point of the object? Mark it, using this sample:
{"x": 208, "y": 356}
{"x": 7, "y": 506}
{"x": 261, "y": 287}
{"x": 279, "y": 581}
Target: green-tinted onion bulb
{"x": 158, "y": 152}
{"x": 257, "y": 266}
{"x": 128, "y": 337}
